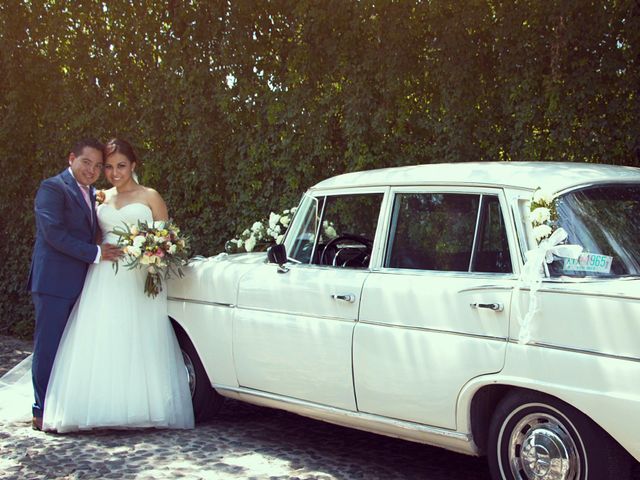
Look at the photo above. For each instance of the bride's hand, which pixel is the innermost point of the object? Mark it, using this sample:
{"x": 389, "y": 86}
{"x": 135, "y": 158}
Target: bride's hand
{"x": 110, "y": 252}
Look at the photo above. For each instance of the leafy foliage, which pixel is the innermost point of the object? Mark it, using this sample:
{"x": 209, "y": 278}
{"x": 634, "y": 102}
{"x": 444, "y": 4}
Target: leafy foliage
{"x": 237, "y": 107}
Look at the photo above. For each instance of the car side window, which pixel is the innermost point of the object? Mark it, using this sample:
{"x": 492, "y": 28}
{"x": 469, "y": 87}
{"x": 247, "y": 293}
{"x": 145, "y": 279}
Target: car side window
{"x": 492, "y": 246}
{"x": 347, "y": 229}
{"x": 437, "y": 231}
{"x": 432, "y": 231}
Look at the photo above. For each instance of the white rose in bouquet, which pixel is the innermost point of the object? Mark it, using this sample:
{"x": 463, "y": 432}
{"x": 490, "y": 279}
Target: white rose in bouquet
{"x": 138, "y": 242}
{"x": 133, "y": 250}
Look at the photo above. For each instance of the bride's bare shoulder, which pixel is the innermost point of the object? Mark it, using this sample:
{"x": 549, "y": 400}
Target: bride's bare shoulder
{"x": 155, "y": 201}
{"x": 151, "y": 194}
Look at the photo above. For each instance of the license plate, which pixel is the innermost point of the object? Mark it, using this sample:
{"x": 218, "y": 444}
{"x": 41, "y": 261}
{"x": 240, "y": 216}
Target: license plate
{"x": 588, "y": 262}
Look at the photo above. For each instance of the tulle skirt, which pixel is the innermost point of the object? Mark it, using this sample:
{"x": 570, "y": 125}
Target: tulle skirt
{"x": 16, "y": 393}
{"x": 118, "y": 364}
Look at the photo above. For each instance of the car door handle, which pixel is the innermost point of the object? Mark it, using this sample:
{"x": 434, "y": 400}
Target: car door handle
{"x": 496, "y": 307}
{"x": 349, "y": 297}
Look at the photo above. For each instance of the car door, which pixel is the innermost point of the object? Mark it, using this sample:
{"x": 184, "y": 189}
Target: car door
{"x": 436, "y": 314}
{"x": 293, "y": 328}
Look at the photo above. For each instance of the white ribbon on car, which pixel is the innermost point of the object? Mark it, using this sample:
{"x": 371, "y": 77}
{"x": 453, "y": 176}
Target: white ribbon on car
{"x": 533, "y": 272}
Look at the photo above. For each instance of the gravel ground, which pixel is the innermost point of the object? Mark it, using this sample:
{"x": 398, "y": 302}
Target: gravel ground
{"x": 12, "y": 350}
{"x": 243, "y": 442}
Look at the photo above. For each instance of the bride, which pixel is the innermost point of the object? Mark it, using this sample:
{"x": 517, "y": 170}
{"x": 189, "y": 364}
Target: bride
{"x": 119, "y": 364}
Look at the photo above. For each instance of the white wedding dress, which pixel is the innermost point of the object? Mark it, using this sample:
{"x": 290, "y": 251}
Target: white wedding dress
{"x": 118, "y": 364}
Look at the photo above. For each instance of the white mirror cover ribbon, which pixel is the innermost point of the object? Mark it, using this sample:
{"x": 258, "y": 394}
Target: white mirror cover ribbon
{"x": 533, "y": 272}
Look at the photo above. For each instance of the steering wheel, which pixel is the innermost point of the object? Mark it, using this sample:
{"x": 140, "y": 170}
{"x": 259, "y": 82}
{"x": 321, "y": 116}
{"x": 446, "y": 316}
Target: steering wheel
{"x": 331, "y": 244}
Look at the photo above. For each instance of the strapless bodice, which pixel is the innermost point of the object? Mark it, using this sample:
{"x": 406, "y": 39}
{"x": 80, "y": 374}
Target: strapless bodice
{"x": 110, "y": 217}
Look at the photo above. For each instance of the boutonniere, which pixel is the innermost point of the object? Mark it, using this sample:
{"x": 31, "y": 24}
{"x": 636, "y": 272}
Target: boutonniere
{"x": 100, "y": 197}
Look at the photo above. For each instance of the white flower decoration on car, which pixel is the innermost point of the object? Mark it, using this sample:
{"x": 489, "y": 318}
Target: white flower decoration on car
{"x": 250, "y": 243}
{"x": 274, "y": 218}
{"x": 541, "y": 232}
{"x": 540, "y": 215}
{"x": 262, "y": 233}
{"x": 543, "y": 214}
{"x": 328, "y": 229}
{"x": 550, "y": 240}
{"x": 541, "y": 196}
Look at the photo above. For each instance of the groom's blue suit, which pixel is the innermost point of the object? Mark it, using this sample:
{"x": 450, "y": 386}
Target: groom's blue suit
{"x": 64, "y": 247}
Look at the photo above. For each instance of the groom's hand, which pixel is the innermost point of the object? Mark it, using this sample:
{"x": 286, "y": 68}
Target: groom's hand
{"x": 110, "y": 252}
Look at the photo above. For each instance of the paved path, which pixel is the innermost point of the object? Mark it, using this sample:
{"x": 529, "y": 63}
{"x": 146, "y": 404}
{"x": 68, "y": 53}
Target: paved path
{"x": 244, "y": 442}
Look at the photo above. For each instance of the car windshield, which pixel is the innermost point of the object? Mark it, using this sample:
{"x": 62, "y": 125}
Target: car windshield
{"x": 605, "y": 221}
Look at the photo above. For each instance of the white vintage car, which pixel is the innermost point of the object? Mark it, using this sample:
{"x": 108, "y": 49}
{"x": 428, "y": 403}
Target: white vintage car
{"x": 399, "y": 303}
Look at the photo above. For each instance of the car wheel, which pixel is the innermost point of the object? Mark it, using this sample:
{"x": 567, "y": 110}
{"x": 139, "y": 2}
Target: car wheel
{"x": 534, "y": 436}
{"x": 206, "y": 401}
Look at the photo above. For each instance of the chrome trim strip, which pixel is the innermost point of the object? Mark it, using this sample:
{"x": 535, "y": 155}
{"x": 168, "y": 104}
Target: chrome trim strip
{"x": 585, "y": 351}
{"x": 338, "y": 412}
{"x": 600, "y": 183}
{"x": 419, "y": 184}
{"x": 433, "y": 330}
{"x": 391, "y": 231}
{"x": 481, "y": 288}
{"x": 474, "y": 245}
{"x": 299, "y": 314}
{"x": 518, "y": 223}
{"x": 319, "y": 225}
{"x": 557, "y": 290}
{"x": 568, "y": 291}
{"x": 446, "y": 273}
{"x": 201, "y": 302}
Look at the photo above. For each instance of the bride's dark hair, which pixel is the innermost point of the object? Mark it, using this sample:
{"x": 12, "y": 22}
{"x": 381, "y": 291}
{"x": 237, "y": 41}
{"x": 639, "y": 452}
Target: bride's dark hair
{"x": 117, "y": 145}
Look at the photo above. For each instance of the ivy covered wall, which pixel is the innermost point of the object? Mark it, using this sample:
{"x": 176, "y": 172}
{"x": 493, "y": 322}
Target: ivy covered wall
{"x": 236, "y": 107}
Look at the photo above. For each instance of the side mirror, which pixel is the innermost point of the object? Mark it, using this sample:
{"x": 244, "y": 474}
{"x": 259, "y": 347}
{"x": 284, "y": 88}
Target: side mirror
{"x": 277, "y": 254}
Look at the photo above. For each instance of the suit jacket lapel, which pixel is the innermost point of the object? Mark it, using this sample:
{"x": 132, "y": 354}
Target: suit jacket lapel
{"x": 73, "y": 187}
{"x": 94, "y": 216}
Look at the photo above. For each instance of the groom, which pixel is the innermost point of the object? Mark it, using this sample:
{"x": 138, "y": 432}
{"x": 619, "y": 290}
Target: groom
{"x": 66, "y": 227}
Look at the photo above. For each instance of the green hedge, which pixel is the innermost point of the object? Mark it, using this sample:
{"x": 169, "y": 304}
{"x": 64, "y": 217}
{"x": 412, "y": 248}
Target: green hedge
{"x": 237, "y": 107}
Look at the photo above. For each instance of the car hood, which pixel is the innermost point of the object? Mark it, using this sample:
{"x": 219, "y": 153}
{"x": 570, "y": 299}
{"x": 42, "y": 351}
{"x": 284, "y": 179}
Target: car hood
{"x": 213, "y": 279}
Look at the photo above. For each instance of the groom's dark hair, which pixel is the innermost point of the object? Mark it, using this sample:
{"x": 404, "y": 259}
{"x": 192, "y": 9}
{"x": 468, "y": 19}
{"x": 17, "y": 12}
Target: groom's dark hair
{"x": 87, "y": 142}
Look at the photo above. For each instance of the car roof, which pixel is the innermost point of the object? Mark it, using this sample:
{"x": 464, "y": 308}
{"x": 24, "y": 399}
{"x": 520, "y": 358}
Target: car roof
{"x": 552, "y": 176}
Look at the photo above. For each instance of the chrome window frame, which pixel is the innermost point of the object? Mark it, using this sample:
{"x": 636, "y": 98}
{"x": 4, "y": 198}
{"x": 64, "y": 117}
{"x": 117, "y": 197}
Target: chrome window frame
{"x": 453, "y": 189}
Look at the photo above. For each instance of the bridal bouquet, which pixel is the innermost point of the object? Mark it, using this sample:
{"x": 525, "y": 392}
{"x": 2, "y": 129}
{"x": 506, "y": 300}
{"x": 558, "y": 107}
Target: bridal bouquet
{"x": 157, "y": 247}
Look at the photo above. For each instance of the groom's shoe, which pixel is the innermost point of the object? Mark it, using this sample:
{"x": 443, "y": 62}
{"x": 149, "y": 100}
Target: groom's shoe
{"x": 36, "y": 423}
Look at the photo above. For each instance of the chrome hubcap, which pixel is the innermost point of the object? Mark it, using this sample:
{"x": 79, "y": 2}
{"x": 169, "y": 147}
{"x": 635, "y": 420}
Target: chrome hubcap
{"x": 541, "y": 449}
{"x": 190, "y": 371}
